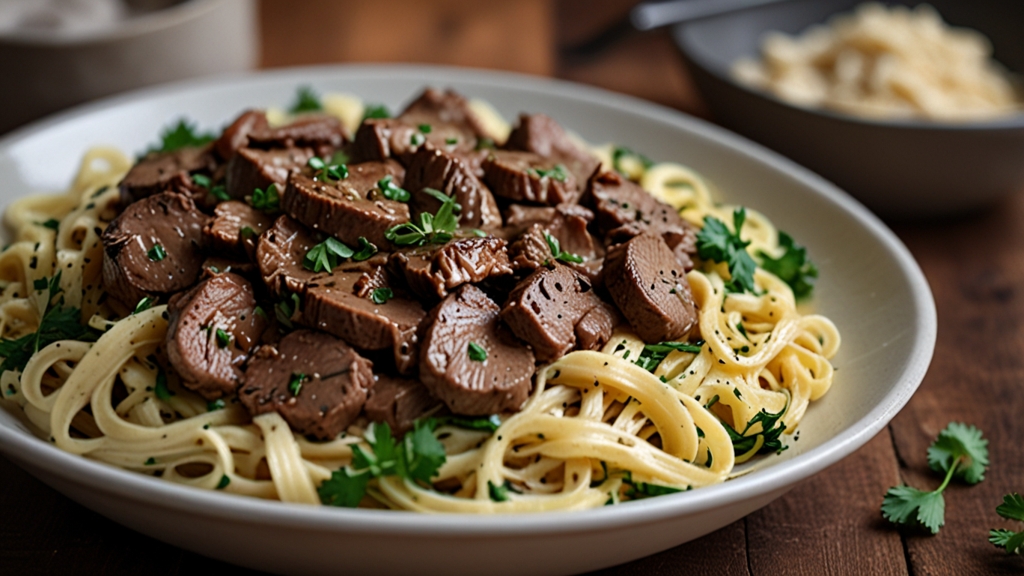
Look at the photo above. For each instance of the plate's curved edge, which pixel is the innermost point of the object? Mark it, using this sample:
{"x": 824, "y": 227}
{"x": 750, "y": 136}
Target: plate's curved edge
{"x": 201, "y": 502}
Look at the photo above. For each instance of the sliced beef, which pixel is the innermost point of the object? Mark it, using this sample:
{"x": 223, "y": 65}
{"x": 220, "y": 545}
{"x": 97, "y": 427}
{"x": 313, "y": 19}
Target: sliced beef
{"x": 236, "y": 136}
{"x": 380, "y": 139}
{"x": 434, "y": 107}
{"x": 623, "y": 209}
{"x": 212, "y": 329}
{"x": 545, "y": 308}
{"x": 433, "y": 271}
{"x": 649, "y": 286}
{"x": 161, "y": 171}
{"x": 529, "y": 177}
{"x": 316, "y": 382}
{"x": 341, "y": 303}
{"x": 540, "y": 134}
{"x": 350, "y": 208}
{"x": 279, "y": 254}
{"x": 318, "y": 131}
{"x": 154, "y": 247}
{"x": 519, "y": 217}
{"x": 566, "y": 223}
{"x": 596, "y": 326}
{"x": 235, "y": 229}
{"x": 214, "y": 265}
{"x": 499, "y": 383}
{"x": 450, "y": 174}
{"x": 251, "y": 168}
{"x": 399, "y": 402}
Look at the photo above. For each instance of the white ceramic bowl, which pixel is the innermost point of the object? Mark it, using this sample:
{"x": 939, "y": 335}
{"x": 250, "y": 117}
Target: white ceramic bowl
{"x": 45, "y": 72}
{"x": 870, "y": 286}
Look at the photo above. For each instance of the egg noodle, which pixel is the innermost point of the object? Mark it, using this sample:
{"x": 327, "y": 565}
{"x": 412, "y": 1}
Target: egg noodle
{"x": 595, "y": 427}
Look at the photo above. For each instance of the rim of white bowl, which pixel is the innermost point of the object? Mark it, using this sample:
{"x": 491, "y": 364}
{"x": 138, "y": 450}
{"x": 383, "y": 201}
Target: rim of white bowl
{"x": 132, "y": 486}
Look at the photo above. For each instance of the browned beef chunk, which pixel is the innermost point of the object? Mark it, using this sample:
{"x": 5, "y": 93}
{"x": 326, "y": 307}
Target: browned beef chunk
{"x": 380, "y": 139}
{"x": 212, "y": 329}
{"x": 624, "y": 209}
{"x": 250, "y": 169}
{"x": 214, "y": 265}
{"x": 236, "y": 135}
{"x": 540, "y": 134}
{"x": 432, "y": 271}
{"x": 648, "y": 284}
{"x": 451, "y": 175}
{"x": 596, "y": 326}
{"x": 519, "y": 217}
{"x": 161, "y": 171}
{"x": 235, "y": 228}
{"x": 154, "y": 247}
{"x": 399, "y": 402}
{"x": 434, "y": 107}
{"x": 566, "y": 223}
{"x": 350, "y": 208}
{"x": 319, "y": 131}
{"x": 316, "y": 382}
{"x": 279, "y": 254}
{"x": 529, "y": 177}
{"x": 341, "y": 303}
{"x": 545, "y": 308}
{"x": 499, "y": 382}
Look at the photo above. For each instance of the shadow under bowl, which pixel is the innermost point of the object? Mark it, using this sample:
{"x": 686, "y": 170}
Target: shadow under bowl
{"x": 901, "y": 169}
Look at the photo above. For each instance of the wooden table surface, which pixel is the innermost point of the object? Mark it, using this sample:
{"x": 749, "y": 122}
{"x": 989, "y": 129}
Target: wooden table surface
{"x": 829, "y": 524}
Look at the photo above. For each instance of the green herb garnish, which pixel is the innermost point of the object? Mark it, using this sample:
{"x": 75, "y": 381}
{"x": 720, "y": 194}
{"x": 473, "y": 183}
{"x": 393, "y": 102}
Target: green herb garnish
{"x": 156, "y": 253}
{"x": 144, "y": 304}
{"x": 295, "y": 383}
{"x": 285, "y": 309}
{"x": 325, "y": 256}
{"x": 181, "y": 135}
{"x": 161, "y": 390}
{"x": 1012, "y": 508}
{"x": 771, "y": 434}
{"x": 223, "y": 338}
{"x": 52, "y": 224}
{"x": 214, "y": 405}
{"x": 327, "y": 172}
{"x": 433, "y": 228}
{"x": 224, "y": 481}
{"x": 391, "y": 191}
{"x": 376, "y": 111}
{"x": 497, "y": 493}
{"x": 425, "y": 128}
{"x": 381, "y": 295}
{"x": 620, "y": 154}
{"x": 715, "y": 242}
{"x": 793, "y": 267}
{"x": 268, "y": 200}
{"x": 477, "y": 353}
{"x": 306, "y": 100}
{"x": 652, "y": 354}
{"x": 482, "y": 423}
{"x": 557, "y": 173}
{"x": 556, "y": 251}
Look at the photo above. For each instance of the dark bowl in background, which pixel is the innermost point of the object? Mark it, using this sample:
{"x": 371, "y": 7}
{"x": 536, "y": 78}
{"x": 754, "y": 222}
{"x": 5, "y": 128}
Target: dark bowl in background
{"x": 899, "y": 168}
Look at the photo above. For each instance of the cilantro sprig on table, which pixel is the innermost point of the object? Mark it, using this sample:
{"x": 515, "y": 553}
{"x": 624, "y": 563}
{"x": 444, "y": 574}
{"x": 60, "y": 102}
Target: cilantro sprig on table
{"x": 1012, "y": 508}
{"x": 793, "y": 267}
{"x": 717, "y": 243}
{"x": 59, "y": 322}
{"x": 416, "y": 457}
{"x": 960, "y": 452}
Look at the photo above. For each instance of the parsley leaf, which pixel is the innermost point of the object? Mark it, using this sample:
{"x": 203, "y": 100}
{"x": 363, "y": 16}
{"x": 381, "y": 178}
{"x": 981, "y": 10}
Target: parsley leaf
{"x": 623, "y": 157}
{"x": 652, "y": 354}
{"x": 285, "y": 309}
{"x": 306, "y": 100}
{"x": 961, "y": 447}
{"x": 435, "y": 228}
{"x": 417, "y": 457}
{"x": 58, "y": 323}
{"x": 476, "y": 352}
{"x": 482, "y": 423}
{"x": 366, "y": 249}
{"x": 52, "y": 224}
{"x": 376, "y": 111}
{"x": 161, "y": 389}
{"x": 324, "y": 170}
{"x": 793, "y": 267}
{"x": 156, "y": 253}
{"x": 295, "y": 383}
{"x": 144, "y": 304}
{"x": 556, "y": 251}
{"x": 181, "y": 135}
{"x": 325, "y": 256}
{"x": 959, "y": 451}
{"x": 268, "y": 201}
{"x": 557, "y": 173}
{"x": 498, "y": 493}
{"x": 223, "y": 338}
{"x": 770, "y": 433}
{"x": 392, "y": 191}
{"x": 1012, "y": 508}
{"x": 636, "y": 489}
{"x": 382, "y": 295}
{"x": 716, "y": 243}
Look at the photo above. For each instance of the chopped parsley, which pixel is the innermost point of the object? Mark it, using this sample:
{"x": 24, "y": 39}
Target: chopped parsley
{"x": 558, "y": 253}
{"x": 417, "y": 457}
{"x": 247, "y": 232}
{"x": 482, "y": 423}
{"x": 636, "y": 489}
{"x": 325, "y": 256}
{"x": 793, "y": 267}
{"x": 295, "y": 383}
{"x": 58, "y": 323}
{"x": 435, "y": 228}
{"x": 150, "y": 461}
{"x": 215, "y": 405}
{"x": 286, "y": 308}
{"x": 424, "y": 128}
{"x": 557, "y": 173}
{"x": 770, "y": 434}
{"x": 652, "y": 354}
{"x": 268, "y": 200}
{"x": 376, "y": 111}
{"x": 161, "y": 390}
{"x": 391, "y": 191}
{"x": 219, "y": 191}
{"x": 156, "y": 253}
{"x": 451, "y": 141}
{"x": 961, "y": 452}
{"x": 306, "y": 100}
{"x": 366, "y": 249}
{"x": 716, "y": 243}
{"x": 498, "y": 493}
{"x": 1012, "y": 508}
{"x": 181, "y": 135}
{"x": 325, "y": 171}
{"x": 622, "y": 157}
{"x": 223, "y": 338}
{"x": 224, "y": 481}
{"x": 477, "y": 353}
{"x": 381, "y": 295}
{"x": 416, "y": 139}
{"x": 52, "y": 224}
{"x": 144, "y": 304}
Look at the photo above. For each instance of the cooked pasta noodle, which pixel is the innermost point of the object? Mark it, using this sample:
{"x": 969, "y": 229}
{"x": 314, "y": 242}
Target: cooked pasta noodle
{"x": 595, "y": 427}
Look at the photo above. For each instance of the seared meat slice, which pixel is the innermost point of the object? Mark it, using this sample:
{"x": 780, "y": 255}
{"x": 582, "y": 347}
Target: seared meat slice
{"x": 432, "y": 271}
{"x": 469, "y": 386}
{"x": 399, "y": 402}
{"x": 648, "y": 284}
{"x": 212, "y": 329}
{"x": 566, "y": 223}
{"x": 383, "y": 138}
{"x": 236, "y": 135}
{"x": 519, "y": 217}
{"x": 279, "y": 254}
{"x": 319, "y": 131}
{"x": 434, "y": 107}
{"x": 226, "y": 234}
{"x": 450, "y": 174}
{"x": 316, "y": 382}
{"x": 545, "y": 308}
{"x": 154, "y": 247}
{"x": 596, "y": 326}
{"x": 162, "y": 171}
{"x": 540, "y": 134}
{"x": 341, "y": 303}
{"x": 350, "y": 208}
{"x": 624, "y": 209}
{"x": 251, "y": 168}
{"x": 529, "y": 177}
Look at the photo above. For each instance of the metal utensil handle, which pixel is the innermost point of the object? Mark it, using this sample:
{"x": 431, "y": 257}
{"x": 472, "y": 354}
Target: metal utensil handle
{"x": 651, "y": 15}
